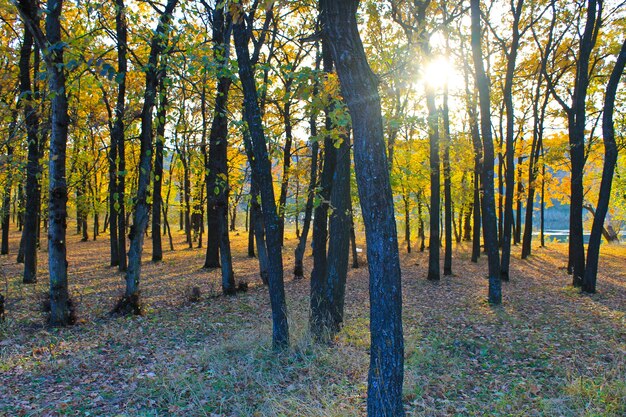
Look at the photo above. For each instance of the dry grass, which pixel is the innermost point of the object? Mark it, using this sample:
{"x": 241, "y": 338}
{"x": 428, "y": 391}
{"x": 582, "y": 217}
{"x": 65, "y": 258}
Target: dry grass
{"x": 547, "y": 351}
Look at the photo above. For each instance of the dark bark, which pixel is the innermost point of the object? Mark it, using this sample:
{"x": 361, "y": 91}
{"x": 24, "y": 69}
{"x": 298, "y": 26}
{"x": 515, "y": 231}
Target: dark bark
{"x": 533, "y": 163}
{"x": 420, "y": 226}
{"x": 434, "y": 239}
{"x": 28, "y": 244}
{"x": 610, "y": 159}
{"x": 284, "y": 182}
{"x": 118, "y": 131}
{"x": 339, "y": 232}
{"x": 517, "y": 235}
{"x": 6, "y": 199}
{"x": 51, "y": 43}
{"x": 511, "y": 58}
{"x": 217, "y": 165}
{"x": 298, "y": 270}
{"x": 488, "y": 206}
{"x": 576, "y": 128}
{"x": 355, "y": 254}
{"x": 141, "y": 209}
{"x": 157, "y": 199}
{"x": 359, "y": 89}
{"x": 261, "y": 169}
{"x": 320, "y": 320}
{"x": 258, "y": 230}
{"x": 407, "y": 223}
{"x": 447, "y": 186}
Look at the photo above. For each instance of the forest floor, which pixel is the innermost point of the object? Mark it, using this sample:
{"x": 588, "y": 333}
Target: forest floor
{"x": 547, "y": 351}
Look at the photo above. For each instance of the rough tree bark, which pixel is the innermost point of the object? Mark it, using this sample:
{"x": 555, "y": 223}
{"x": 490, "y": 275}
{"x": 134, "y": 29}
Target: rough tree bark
{"x": 51, "y": 43}
{"x": 131, "y": 302}
{"x": 28, "y": 244}
{"x": 489, "y": 204}
{"x": 511, "y": 58}
{"x": 157, "y": 199}
{"x": 610, "y": 159}
{"x": 118, "y": 131}
{"x": 217, "y": 164}
{"x": 261, "y": 168}
{"x": 359, "y": 89}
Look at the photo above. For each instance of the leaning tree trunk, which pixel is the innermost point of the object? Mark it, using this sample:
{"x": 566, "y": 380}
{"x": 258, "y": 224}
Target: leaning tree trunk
{"x": 610, "y": 159}
{"x": 261, "y": 168}
{"x": 131, "y": 302}
{"x": 284, "y": 183}
{"x": 298, "y": 270}
{"x": 489, "y": 204}
{"x": 359, "y": 88}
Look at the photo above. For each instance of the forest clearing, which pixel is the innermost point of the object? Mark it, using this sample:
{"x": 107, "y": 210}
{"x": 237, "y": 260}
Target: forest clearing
{"x": 547, "y": 351}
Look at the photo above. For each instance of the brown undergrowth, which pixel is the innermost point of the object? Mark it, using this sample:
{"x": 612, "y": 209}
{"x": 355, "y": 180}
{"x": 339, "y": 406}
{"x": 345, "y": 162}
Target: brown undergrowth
{"x": 547, "y": 351}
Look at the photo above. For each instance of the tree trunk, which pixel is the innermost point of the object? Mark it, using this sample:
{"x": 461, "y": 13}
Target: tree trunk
{"x": 28, "y": 244}
{"x": 131, "y": 302}
{"x": 157, "y": 199}
{"x": 284, "y": 183}
{"x": 60, "y": 314}
{"x": 447, "y": 186}
{"x": 261, "y": 168}
{"x": 118, "y": 128}
{"x": 217, "y": 167}
{"x": 610, "y": 159}
{"x": 339, "y": 233}
{"x": 434, "y": 239}
{"x": 320, "y": 320}
{"x": 511, "y": 58}
{"x": 359, "y": 89}
{"x": 298, "y": 270}
{"x": 6, "y": 199}
{"x": 489, "y": 206}
{"x": 355, "y": 254}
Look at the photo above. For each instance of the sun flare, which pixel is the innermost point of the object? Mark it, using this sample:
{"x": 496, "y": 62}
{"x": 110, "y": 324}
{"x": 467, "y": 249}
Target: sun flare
{"x": 439, "y": 72}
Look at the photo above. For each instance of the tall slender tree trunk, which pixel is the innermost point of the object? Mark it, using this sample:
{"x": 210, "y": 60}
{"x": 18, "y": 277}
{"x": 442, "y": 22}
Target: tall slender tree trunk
{"x": 261, "y": 168}
{"x": 511, "y": 58}
{"x": 284, "y": 183}
{"x": 28, "y": 244}
{"x": 217, "y": 167}
{"x": 489, "y": 206}
{"x": 359, "y": 89}
{"x": 447, "y": 186}
{"x": 610, "y": 159}
{"x": 298, "y": 270}
{"x": 131, "y": 301}
{"x": 6, "y": 199}
{"x": 60, "y": 314}
{"x": 157, "y": 184}
{"x": 320, "y": 320}
{"x": 118, "y": 129}
{"x": 339, "y": 236}
{"x": 434, "y": 240}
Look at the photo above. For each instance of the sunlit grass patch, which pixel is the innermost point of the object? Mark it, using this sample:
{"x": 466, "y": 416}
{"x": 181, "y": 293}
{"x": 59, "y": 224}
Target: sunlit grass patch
{"x": 244, "y": 376}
